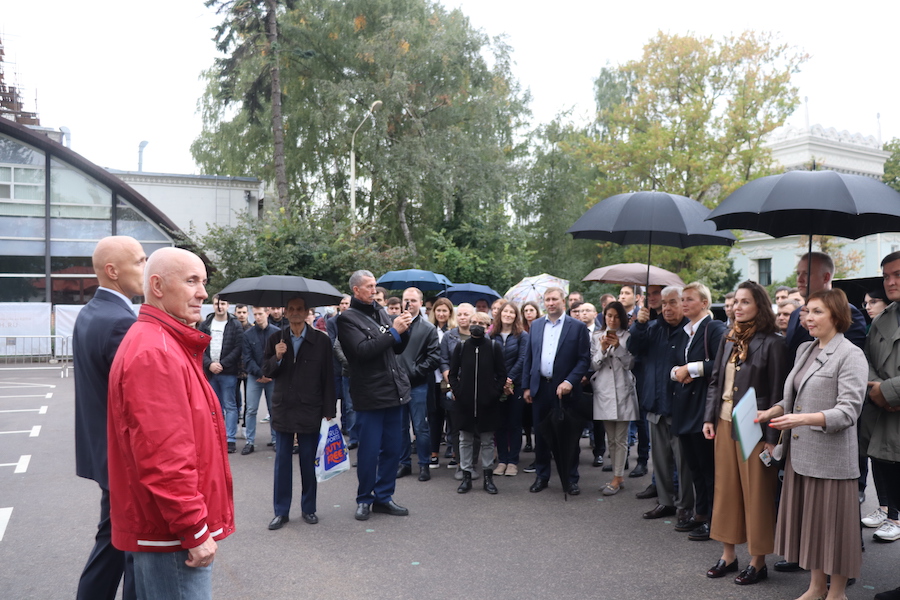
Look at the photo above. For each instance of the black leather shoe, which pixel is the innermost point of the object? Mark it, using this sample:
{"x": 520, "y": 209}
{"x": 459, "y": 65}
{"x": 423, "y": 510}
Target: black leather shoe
{"x": 649, "y": 492}
{"x": 310, "y": 518}
{"x": 362, "y": 511}
{"x": 278, "y": 522}
{"x": 659, "y": 512}
{"x": 687, "y": 525}
{"x": 598, "y": 461}
{"x": 403, "y": 471}
{"x": 232, "y": 447}
{"x": 352, "y": 445}
{"x": 720, "y": 569}
{"x": 528, "y": 448}
{"x": 639, "y": 470}
{"x": 700, "y": 534}
{"x": 538, "y": 485}
{"x": 783, "y": 566}
{"x": 608, "y": 468}
{"x": 424, "y": 474}
{"x": 574, "y": 490}
{"x": 247, "y": 449}
{"x": 752, "y": 575}
{"x": 270, "y": 444}
{"x": 390, "y": 508}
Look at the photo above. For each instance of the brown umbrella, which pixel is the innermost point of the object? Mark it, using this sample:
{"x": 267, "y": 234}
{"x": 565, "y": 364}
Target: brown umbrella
{"x": 634, "y": 274}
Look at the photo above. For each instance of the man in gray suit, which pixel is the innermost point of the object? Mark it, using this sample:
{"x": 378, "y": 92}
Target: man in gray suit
{"x": 119, "y": 264}
{"x": 879, "y": 423}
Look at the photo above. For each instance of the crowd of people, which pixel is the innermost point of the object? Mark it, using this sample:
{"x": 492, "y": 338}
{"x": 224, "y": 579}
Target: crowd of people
{"x": 650, "y": 371}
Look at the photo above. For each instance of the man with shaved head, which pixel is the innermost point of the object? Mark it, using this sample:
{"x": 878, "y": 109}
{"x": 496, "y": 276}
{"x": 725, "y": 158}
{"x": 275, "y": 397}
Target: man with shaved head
{"x": 171, "y": 494}
{"x": 99, "y": 329}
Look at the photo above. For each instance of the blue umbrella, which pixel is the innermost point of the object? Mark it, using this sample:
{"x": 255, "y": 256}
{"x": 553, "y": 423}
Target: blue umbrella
{"x": 418, "y": 278}
{"x": 471, "y": 293}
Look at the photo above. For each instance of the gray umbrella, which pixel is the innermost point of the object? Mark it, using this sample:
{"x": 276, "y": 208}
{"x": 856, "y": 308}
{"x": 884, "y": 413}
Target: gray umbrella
{"x": 276, "y": 290}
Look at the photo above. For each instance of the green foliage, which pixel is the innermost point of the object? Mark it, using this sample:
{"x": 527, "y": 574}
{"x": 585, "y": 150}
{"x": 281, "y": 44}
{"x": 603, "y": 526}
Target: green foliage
{"x": 892, "y": 165}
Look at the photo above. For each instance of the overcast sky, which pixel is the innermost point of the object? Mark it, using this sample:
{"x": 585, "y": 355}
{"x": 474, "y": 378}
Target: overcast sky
{"x": 120, "y": 71}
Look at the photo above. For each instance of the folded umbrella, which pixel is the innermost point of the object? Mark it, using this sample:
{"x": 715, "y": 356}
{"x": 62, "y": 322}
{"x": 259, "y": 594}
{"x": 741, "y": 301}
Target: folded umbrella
{"x": 561, "y": 430}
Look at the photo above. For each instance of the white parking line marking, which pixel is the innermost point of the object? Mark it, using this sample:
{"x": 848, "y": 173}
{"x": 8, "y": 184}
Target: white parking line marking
{"x": 41, "y": 411}
{"x": 49, "y": 395}
{"x": 5, "y": 513}
{"x": 33, "y": 432}
{"x": 45, "y": 396}
{"x": 11, "y": 385}
{"x": 20, "y": 466}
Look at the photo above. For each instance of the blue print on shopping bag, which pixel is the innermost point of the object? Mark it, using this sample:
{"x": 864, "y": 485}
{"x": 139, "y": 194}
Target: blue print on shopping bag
{"x": 331, "y": 454}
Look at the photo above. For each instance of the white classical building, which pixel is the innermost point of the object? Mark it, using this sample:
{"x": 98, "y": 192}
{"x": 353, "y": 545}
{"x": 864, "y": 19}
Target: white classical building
{"x": 765, "y": 259}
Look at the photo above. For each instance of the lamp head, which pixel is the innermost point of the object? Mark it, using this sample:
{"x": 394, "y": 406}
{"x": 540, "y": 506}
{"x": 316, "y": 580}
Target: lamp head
{"x": 375, "y": 106}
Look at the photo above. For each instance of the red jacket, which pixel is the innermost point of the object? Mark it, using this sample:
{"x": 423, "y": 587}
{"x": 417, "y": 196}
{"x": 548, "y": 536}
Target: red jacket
{"x": 169, "y": 480}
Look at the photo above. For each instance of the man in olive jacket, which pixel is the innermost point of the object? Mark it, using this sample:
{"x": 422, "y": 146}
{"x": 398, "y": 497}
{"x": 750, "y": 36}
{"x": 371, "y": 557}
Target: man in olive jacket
{"x": 379, "y": 387}
{"x": 300, "y": 362}
{"x": 879, "y": 423}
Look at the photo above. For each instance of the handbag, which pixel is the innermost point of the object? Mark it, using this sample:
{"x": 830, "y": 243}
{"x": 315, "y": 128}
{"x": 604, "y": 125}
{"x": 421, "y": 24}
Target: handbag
{"x": 778, "y": 450}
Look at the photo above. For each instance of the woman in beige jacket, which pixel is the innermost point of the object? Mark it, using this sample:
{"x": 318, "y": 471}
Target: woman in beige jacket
{"x": 818, "y": 519}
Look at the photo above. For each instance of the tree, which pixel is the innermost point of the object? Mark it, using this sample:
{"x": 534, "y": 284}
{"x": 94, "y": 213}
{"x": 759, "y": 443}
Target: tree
{"x": 444, "y": 142}
{"x": 892, "y": 164}
{"x": 250, "y": 35}
{"x": 689, "y": 118}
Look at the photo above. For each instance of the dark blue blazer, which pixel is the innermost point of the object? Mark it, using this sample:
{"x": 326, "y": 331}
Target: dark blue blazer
{"x": 573, "y": 354}
{"x": 795, "y": 335}
{"x": 99, "y": 330}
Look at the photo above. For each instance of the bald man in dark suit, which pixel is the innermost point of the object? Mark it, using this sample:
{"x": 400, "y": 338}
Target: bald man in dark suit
{"x": 119, "y": 264}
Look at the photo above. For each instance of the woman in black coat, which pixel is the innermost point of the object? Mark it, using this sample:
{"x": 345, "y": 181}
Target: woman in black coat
{"x": 691, "y": 379}
{"x": 477, "y": 377}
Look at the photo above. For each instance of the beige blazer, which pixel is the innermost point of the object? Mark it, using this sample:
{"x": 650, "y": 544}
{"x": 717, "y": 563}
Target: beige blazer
{"x": 835, "y": 386}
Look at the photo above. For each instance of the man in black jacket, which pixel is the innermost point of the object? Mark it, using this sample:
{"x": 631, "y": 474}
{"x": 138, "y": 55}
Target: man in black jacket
{"x": 379, "y": 388}
{"x": 420, "y": 358}
{"x": 222, "y": 361}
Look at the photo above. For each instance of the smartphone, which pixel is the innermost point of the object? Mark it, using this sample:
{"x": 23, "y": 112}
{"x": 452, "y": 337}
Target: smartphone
{"x": 765, "y": 457}
{"x": 407, "y": 306}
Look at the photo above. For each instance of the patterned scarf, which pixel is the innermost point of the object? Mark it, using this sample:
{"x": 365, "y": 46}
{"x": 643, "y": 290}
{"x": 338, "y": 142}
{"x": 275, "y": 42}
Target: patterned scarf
{"x": 740, "y": 335}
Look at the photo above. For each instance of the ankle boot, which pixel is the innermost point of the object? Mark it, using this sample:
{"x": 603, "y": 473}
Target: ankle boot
{"x": 489, "y": 486}
{"x": 466, "y": 484}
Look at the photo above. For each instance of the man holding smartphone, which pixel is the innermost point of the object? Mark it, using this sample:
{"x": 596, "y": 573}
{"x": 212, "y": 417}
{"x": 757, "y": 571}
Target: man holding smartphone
{"x": 420, "y": 358}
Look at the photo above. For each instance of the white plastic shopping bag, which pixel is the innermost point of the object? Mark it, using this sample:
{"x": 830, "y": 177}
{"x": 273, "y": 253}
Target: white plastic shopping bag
{"x": 332, "y": 457}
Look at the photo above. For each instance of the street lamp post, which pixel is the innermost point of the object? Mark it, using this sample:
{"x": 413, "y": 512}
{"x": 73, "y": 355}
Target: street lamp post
{"x": 375, "y": 106}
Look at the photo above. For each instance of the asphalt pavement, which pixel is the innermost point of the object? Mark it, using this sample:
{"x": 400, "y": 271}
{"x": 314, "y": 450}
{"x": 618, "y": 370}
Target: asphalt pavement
{"x": 515, "y": 545}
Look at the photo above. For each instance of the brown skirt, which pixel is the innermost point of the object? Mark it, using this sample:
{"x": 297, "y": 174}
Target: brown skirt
{"x": 818, "y": 523}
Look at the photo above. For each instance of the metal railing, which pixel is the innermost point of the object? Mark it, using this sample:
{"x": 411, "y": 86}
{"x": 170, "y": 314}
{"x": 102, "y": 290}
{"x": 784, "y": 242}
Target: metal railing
{"x": 34, "y": 352}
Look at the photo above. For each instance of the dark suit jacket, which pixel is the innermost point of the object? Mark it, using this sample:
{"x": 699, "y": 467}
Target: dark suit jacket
{"x": 573, "y": 355}
{"x": 795, "y": 335}
{"x": 304, "y": 385}
{"x": 99, "y": 330}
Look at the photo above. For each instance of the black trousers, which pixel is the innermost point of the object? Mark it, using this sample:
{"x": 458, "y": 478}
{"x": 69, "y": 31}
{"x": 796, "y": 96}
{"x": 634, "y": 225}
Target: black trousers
{"x": 700, "y": 455}
{"x": 106, "y": 565}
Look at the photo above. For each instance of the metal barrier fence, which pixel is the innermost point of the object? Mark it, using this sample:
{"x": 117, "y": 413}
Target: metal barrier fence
{"x": 34, "y": 352}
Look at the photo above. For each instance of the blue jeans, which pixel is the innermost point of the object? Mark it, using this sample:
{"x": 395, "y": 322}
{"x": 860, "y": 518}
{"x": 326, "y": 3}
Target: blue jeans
{"x": 348, "y": 415}
{"x": 164, "y": 576}
{"x": 379, "y": 454}
{"x": 417, "y": 410}
{"x": 254, "y": 391}
{"x": 223, "y": 386}
{"x": 509, "y": 432}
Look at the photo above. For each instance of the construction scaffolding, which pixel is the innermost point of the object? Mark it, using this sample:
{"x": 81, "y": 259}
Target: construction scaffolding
{"x": 11, "y": 105}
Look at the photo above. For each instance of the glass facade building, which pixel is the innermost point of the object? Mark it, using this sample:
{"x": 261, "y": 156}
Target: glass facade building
{"x": 54, "y": 207}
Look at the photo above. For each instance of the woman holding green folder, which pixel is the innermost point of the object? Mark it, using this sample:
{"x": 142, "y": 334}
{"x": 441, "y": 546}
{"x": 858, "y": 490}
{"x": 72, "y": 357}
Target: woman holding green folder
{"x": 750, "y": 355}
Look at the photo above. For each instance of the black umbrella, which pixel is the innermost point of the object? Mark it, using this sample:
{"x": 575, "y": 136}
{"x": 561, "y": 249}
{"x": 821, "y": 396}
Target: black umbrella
{"x": 276, "y": 290}
{"x": 811, "y": 203}
{"x": 650, "y": 218}
{"x": 561, "y": 430}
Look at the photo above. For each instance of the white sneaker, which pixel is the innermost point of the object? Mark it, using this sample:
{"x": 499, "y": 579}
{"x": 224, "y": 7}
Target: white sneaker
{"x": 888, "y": 532}
{"x": 875, "y": 518}
{"x": 265, "y": 419}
